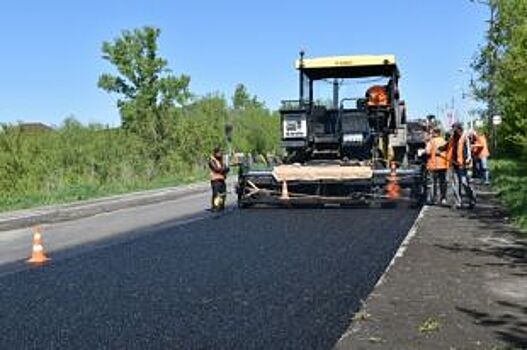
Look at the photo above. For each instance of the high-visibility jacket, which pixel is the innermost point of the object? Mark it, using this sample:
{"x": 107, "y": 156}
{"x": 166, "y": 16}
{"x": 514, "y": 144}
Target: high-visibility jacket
{"x": 217, "y": 170}
{"x": 479, "y": 147}
{"x": 459, "y": 157}
{"x": 437, "y": 154}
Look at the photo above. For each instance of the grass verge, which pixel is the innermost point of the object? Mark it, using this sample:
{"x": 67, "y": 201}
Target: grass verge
{"x": 509, "y": 179}
{"x": 78, "y": 192}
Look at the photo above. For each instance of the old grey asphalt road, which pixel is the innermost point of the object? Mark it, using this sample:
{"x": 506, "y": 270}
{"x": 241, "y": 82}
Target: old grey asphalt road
{"x": 172, "y": 276}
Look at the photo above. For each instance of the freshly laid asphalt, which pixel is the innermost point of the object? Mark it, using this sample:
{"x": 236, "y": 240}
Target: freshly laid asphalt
{"x": 251, "y": 279}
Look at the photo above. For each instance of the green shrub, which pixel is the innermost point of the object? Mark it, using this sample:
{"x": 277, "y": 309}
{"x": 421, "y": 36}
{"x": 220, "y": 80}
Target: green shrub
{"x": 509, "y": 178}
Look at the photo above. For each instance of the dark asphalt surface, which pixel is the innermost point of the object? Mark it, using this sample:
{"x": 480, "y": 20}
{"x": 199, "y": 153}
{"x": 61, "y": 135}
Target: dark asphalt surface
{"x": 253, "y": 279}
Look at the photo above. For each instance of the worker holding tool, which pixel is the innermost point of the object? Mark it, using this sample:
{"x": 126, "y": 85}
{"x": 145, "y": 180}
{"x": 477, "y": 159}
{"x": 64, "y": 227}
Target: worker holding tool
{"x": 437, "y": 165}
{"x": 460, "y": 159}
{"x": 480, "y": 154}
{"x": 218, "y": 174}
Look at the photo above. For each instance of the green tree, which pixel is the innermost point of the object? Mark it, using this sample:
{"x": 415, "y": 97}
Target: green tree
{"x": 511, "y": 74}
{"x": 148, "y": 91}
{"x": 242, "y": 99}
{"x": 501, "y": 64}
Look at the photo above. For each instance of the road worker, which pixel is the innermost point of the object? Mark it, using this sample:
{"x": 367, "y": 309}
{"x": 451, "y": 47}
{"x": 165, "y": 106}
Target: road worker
{"x": 218, "y": 174}
{"x": 460, "y": 159}
{"x": 480, "y": 154}
{"x": 437, "y": 165}
{"x": 377, "y": 96}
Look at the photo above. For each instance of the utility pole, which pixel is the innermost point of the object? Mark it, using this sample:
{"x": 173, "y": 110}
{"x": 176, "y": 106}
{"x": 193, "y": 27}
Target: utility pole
{"x": 465, "y": 97}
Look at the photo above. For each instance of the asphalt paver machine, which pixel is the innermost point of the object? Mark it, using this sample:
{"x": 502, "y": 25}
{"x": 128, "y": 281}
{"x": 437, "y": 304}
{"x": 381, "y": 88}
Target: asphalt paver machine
{"x": 344, "y": 149}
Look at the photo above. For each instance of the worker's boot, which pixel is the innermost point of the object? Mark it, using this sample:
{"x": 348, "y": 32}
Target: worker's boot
{"x": 472, "y": 202}
{"x": 486, "y": 177}
{"x": 222, "y": 201}
{"x": 216, "y": 203}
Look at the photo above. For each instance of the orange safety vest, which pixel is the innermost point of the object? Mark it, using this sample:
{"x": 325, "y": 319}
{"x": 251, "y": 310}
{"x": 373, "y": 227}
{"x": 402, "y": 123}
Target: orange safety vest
{"x": 437, "y": 160}
{"x": 460, "y": 154}
{"x": 213, "y": 165}
{"x": 480, "y": 148}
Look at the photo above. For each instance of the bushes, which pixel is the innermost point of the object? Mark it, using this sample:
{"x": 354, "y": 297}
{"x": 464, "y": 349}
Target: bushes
{"x": 71, "y": 162}
{"x": 510, "y": 180}
{"x": 77, "y": 162}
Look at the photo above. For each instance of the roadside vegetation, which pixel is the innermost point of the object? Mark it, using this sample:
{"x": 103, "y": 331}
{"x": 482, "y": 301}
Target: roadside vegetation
{"x": 165, "y": 136}
{"x": 510, "y": 180}
{"x": 501, "y": 65}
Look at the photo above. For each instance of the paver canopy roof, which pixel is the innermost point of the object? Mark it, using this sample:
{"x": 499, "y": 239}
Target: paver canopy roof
{"x": 348, "y": 66}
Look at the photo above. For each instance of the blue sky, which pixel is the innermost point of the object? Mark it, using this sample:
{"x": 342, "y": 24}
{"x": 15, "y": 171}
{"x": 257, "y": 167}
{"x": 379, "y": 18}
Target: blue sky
{"x": 50, "y": 59}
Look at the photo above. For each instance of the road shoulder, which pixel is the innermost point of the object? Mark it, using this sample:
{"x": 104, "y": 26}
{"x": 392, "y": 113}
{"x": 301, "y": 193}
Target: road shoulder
{"x": 460, "y": 285}
{"x": 70, "y": 211}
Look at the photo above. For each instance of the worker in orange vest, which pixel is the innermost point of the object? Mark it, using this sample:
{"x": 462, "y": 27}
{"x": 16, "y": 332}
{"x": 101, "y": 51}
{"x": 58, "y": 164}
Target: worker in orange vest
{"x": 459, "y": 156}
{"x": 377, "y": 96}
{"x": 218, "y": 174}
{"x": 437, "y": 164}
{"x": 480, "y": 154}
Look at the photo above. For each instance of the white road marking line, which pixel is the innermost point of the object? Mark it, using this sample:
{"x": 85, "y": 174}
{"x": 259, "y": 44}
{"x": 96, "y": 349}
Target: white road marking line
{"x": 404, "y": 245}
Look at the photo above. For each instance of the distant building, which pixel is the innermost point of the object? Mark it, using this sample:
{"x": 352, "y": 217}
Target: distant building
{"x": 34, "y": 127}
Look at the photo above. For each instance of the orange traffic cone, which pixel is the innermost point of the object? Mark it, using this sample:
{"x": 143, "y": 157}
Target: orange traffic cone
{"x": 285, "y": 191}
{"x": 38, "y": 256}
{"x": 392, "y": 187}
